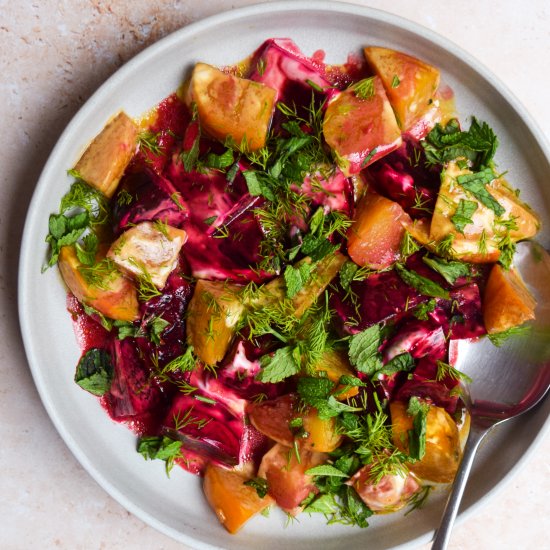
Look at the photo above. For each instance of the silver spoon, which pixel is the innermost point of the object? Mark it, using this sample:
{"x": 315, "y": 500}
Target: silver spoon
{"x": 506, "y": 383}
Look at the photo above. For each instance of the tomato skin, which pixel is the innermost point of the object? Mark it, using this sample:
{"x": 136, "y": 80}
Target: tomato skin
{"x": 360, "y": 131}
{"x": 507, "y": 302}
{"x": 233, "y": 502}
{"x": 273, "y": 417}
{"x": 287, "y": 481}
{"x": 390, "y": 494}
{"x": 117, "y": 299}
{"x": 409, "y": 83}
{"x": 233, "y": 107}
{"x": 375, "y": 237}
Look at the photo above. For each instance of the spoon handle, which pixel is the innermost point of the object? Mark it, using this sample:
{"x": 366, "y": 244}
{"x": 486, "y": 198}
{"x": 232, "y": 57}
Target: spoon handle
{"x": 443, "y": 533}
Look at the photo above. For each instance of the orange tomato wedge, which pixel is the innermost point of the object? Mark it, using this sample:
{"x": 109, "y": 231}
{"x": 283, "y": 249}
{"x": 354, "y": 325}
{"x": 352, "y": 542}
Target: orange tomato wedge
{"x": 375, "y": 237}
{"x": 233, "y": 107}
{"x": 443, "y": 450}
{"x": 507, "y": 302}
{"x": 409, "y": 83}
{"x": 360, "y": 128}
{"x": 115, "y": 296}
{"x": 232, "y": 501}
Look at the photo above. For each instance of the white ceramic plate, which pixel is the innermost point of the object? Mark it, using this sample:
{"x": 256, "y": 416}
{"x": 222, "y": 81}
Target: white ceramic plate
{"x": 107, "y": 450}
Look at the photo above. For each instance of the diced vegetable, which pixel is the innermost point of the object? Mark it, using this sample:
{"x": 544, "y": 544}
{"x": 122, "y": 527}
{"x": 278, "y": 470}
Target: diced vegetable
{"x": 442, "y": 454}
{"x": 360, "y": 126}
{"x": 94, "y": 371}
{"x": 233, "y": 502}
{"x": 104, "y": 161}
{"x": 409, "y": 83}
{"x": 231, "y": 107}
{"x": 374, "y": 239}
{"x": 284, "y": 468}
{"x": 282, "y": 420}
{"x": 105, "y": 289}
{"x": 213, "y": 314}
{"x": 478, "y": 214}
{"x": 322, "y": 434}
{"x": 148, "y": 251}
{"x": 389, "y": 494}
{"x": 335, "y": 364}
{"x": 320, "y": 277}
{"x": 507, "y": 301}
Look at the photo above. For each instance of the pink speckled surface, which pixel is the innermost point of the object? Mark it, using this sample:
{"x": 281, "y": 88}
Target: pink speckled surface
{"x": 53, "y": 55}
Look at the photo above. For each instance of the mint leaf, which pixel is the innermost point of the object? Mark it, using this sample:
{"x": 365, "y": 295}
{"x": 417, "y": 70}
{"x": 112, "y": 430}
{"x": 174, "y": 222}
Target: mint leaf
{"x": 347, "y": 273}
{"x": 156, "y": 327}
{"x": 463, "y": 214}
{"x": 422, "y": 284}
{"x": 87, "y": 251}
{"x": 476, "y": 183}
{"x": 325, "y": 504}
{"x": 363, "y": 350}
{"x": 325, "y": 470}
{"x": 258, "y": 185}
{"x": 417, "y": 436}
{"x": 296, "y": 277}
{"x": 499, "y": 338}
{"x": 160, "y": 447}
{"x": 218, "y": 162}
{"x": 278, "y": 366}
{"x": 450, "y": 270}
{"x": 421, "y": 311}
{"x": 311, "y": 389}
{"x": 447, "y": 143}
{"x": 258, "y": 483}
{"x": 94, "y": 371}
{"x": 403, "y": 362}
{"x": 354, "y": 511}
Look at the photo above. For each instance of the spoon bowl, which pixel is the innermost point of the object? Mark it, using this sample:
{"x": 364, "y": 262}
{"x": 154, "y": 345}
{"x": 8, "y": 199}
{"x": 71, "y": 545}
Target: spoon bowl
{"x": 507, "y": 383}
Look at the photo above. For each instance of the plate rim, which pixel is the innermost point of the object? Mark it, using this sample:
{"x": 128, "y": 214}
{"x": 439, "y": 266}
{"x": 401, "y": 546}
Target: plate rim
{"x": 182, "y": 34}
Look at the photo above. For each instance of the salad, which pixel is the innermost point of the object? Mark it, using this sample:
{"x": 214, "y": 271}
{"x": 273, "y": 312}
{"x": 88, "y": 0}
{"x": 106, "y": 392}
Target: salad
{"x": 268, "y": 275}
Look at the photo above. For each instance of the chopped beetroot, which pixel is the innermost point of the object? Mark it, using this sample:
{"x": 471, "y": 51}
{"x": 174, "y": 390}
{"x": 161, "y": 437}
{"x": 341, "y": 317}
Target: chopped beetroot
{"x": 226, "y": 253}
{"x": 213, "y": 418}
{"x": 282, "y": 66}
{"x": 417, "y": 337}
{"x": 334, "y": 192}
{"x": 466, "y": 317}
{"x": 431, "y": 390}
{"x": 211, "y": 429}
{"x": 146, "y": 196}
{"x": 170, "y": 307}
{"x": 171, "y": 119}
{"x": 134, "y": 393}
{"x": 404, "y": 177}
{"x": 239, "y": 373}
{"x": 377, "y": 298}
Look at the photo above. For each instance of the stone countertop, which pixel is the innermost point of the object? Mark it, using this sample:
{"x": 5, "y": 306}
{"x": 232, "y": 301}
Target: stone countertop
{"x": 53, "y": 55}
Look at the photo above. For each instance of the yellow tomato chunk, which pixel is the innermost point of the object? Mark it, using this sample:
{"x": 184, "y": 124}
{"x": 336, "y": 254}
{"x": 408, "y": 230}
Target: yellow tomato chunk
{"x": 232, "y": 501}
{"x": 375, "y": 237}
{"x": 409, "y": 83}
{"x": 231, "y": 107}
{"x": 104, "y": 161}
{"x": 113, "y": 295}
{"x": 213, "y": 314}
{"x": 148, "y": 250}
{"x": 507, "y": 302}
{"x": 443, "y": 451}
{"x": 336, "y": 364}
{"x": 478, "y": 240}
{"x": 360, "y": 126}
